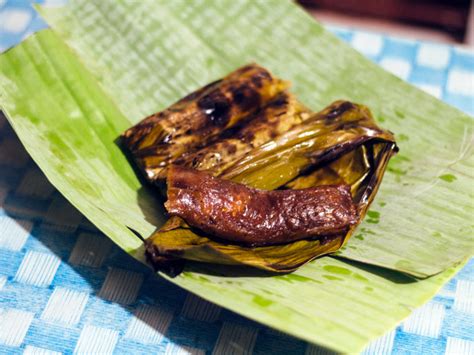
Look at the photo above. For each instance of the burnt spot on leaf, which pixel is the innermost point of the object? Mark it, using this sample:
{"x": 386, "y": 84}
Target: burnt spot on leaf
{"x": 216, "y": 107}
{"x": 231, "y": 148}
{"x": 245, "y": 97}
{"x": 339, "y": 110}
{"x": 260, "y": 77}
{"x": 273, "y": 134}
{"x": 264, "y": 74}
{"x": 280, "y": 101}
{"x": 257, "y": 81}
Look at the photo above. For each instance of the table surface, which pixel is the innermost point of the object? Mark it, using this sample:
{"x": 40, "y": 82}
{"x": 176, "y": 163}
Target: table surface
{"x": 65, "y": 287}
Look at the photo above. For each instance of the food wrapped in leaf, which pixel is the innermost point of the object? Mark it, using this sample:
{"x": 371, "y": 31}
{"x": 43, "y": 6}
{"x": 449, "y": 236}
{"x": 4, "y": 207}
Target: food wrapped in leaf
{"x": 198, "y": 118}
{"x": 278, "y": 116}
{"x": 338, "y": 129}
{"x": 339, "y": 145}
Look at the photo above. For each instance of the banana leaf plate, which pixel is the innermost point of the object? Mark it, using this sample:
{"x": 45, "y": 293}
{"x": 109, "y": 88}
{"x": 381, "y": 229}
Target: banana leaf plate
{"x": 70, "y": 90}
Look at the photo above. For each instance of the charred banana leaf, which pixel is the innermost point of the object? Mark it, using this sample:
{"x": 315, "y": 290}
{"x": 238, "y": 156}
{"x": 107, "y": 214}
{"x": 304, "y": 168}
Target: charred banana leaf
{"x": 200, "y": 117}
{"x": 182, "y": 243}
{"x": 277, "y": 117}
{"x": 341, "y": 144}
{"x": 340, "y": 128}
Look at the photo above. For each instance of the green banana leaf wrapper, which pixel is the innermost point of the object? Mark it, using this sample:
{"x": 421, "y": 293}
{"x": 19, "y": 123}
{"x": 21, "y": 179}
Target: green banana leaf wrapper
{"x": 341, "y": 144}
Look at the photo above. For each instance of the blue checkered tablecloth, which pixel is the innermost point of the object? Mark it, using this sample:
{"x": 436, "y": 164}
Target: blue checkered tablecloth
{"x": 64, "y": 287}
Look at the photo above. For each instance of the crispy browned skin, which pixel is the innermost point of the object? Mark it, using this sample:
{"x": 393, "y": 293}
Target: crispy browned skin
{"x": 199, "y": 117}
{"x": 277, "y": 117}
{"x": 254, "y": 217}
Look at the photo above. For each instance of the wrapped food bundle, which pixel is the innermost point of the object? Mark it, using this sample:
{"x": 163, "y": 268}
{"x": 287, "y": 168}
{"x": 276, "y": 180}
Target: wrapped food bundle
{"x": 254, "y": 177}
{"x": 198, "y": 118}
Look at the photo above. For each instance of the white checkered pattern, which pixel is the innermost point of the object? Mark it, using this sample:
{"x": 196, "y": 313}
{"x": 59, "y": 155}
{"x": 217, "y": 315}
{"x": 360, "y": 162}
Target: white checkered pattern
{"x": 37, "y": 269}
{"x": 461, "y": 82}
{"x": 95, "y": 340}
{"x": 433, "y": 56}
{"x": 14, "y": 325}
{"x": 14, "y": 233}
{"x": 426, "y": 320}
{"x": 399, "y": 67}
{"x": 65, "y": 306}
{"x": 367, "y": 43}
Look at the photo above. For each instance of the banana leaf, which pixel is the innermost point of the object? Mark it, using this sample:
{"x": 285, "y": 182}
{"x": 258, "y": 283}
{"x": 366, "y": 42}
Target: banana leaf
{"x": 71, "y": 90}
{"x": 342, "y": 139}
{"x": 196, "y": 119}
{"x": 280, "y": 115}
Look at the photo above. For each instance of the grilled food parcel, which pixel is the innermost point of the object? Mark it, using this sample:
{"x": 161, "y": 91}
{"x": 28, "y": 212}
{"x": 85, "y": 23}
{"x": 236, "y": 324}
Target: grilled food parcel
{"x": 254, "y": 177}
